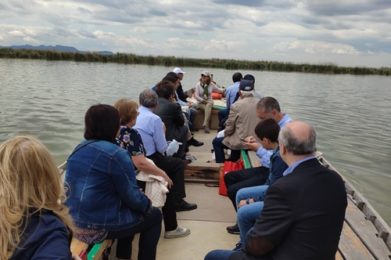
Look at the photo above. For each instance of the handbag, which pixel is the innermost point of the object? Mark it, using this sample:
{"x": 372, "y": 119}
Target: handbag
{"x": 226, "y": 168}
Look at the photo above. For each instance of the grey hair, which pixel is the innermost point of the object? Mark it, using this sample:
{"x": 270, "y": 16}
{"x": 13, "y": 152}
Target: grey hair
{"x": 295, "y": 145}
{"x": 268, "y": 104}
{"x": 148, "y": 98}
{"x": 247, "y": 93}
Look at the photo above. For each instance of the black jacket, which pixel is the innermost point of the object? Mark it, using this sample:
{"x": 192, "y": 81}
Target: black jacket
{"x": 302, "y": 217}
{"x": 172, "y": 117}
{"x": 182, "y": 96}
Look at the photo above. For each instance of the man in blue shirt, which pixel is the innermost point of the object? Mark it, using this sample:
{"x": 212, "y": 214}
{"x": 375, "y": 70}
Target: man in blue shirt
{"x": 230, "y": 95}
{"x": 152, "y": 131}
{"x": 267, "y": 107}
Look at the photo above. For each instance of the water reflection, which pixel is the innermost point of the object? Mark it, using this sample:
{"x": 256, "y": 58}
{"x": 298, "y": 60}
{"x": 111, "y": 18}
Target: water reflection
{"x": 350, "y": 113}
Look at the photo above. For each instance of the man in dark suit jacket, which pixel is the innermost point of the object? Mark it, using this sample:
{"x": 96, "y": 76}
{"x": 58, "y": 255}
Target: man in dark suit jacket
{"x": 171, "y": 114}
{"x": 304, "y": 210}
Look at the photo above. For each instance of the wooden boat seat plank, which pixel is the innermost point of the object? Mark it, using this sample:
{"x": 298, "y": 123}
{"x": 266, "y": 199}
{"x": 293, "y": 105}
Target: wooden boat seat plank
{"x": 351, "y": 247}
{"x": 365, "y": 230}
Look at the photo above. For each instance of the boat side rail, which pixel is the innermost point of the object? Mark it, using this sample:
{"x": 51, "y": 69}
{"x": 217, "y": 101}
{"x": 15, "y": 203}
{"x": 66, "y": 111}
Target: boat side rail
{"x": 365, "y": 233}
{"x": 384, "y": 231}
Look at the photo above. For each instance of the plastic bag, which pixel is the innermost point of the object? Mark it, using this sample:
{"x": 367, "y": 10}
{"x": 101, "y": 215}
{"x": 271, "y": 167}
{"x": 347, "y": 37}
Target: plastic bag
{"x": 172, "y": 147}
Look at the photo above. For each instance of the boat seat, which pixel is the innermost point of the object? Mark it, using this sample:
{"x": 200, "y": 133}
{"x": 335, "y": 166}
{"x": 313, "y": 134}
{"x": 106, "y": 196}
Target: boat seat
{"x": 85, "y": 251}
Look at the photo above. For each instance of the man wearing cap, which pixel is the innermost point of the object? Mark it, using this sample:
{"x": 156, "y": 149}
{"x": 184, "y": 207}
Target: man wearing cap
{"x": 241, "y": 122}
{"x": 181, "y": 98}
{"x": 203, "y": 94}
{"x": 181, "y": 95}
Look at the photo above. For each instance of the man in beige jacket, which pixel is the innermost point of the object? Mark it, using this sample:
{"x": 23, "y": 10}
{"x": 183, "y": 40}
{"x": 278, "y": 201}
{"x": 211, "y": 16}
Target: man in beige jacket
{"x": 240, "y": 124}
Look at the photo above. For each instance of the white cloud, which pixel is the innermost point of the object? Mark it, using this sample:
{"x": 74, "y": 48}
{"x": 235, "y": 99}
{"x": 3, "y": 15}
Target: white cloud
{"x": 315, "y": 47}
{"x": 343, "y": 31}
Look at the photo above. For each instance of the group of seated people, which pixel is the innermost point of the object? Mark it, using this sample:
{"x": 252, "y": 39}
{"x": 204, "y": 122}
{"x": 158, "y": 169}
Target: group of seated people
{"x": 102, "y": 196}
{"x": 299, "y": 216}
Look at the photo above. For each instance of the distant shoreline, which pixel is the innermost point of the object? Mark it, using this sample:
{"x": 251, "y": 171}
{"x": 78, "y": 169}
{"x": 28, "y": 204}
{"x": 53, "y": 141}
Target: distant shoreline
{"x": 229, "y": 64}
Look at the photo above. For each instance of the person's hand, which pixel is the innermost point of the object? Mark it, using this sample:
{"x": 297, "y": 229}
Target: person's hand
{"x": 254, "y": 146}
{"x": 204, "y": 101}
{"x": 245, "y": 202}
{"x": 189, "y": 104}
{"x": 250, "y": 139}
{"x": 167, "y": 179}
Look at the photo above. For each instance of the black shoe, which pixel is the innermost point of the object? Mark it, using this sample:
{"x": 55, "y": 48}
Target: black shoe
{"x": 233, "y": 229}
{"x": 237, "y": 247}
{"x": 194, "y": 142}
{"x": 185, "y": 206}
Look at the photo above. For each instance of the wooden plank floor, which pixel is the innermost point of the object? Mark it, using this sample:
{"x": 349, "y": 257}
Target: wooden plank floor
{"x": 204, "y": 168}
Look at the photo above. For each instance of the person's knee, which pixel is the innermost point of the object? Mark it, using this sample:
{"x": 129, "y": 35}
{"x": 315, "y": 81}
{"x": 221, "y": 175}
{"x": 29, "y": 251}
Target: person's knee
{"x": 217, "y": 142}
{"x": 211, "y": 255}
{"x": 229, "y": 178}
{"x": 240, "y": 195}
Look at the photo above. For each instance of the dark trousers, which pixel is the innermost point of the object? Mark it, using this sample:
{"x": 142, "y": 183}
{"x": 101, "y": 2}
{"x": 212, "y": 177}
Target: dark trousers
{"x": 223, "y": 116}
{"x": 219, "y": 147}
{"x": 149, "y": 231}
{"x": 174, "y": 167}
{"x": 190, "y": 117}
{"x": 244, "y": 178}
{"x": 181, "y": 135}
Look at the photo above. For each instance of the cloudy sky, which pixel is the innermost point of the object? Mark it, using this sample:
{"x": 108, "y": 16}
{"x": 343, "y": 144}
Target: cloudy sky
{"x": 343, "y": 32}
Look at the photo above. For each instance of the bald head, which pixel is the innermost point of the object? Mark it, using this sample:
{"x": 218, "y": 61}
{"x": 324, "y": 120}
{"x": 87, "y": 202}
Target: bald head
{"x": 298, "y": 137}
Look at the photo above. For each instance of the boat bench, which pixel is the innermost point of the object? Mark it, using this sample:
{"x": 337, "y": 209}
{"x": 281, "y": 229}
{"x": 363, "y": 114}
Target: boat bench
{"x": 89, "y": 252}
{"x": 360, "y": 238}
{"x": 199, "y": 119}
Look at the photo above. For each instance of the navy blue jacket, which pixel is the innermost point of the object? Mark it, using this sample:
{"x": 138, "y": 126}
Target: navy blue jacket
{"x": 45, "y": 237}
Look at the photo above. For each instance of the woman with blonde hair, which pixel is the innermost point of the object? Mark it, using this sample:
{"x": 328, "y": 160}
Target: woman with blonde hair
{"x": 34, "y": 222}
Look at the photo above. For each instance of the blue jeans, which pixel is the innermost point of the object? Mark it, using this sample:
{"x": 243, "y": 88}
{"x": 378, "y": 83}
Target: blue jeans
{"x": 149, "y": 231}
{"x": 247, "y": 214}
{"x": 219, "y": 254}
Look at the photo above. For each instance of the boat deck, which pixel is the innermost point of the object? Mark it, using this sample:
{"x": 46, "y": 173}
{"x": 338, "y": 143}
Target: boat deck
{"x": 365, "y": 235}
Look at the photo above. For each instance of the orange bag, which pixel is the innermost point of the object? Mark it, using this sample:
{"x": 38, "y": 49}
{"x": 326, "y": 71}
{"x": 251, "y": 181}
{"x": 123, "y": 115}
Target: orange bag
{"x": 226, "y": 168}
{"x": 216, "y": 95}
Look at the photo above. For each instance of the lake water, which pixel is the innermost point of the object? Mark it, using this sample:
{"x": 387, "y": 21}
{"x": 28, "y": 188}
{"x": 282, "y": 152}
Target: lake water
{"x": 350, "y": 113}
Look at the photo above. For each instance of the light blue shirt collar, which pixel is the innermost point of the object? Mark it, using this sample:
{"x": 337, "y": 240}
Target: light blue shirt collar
{"x": 284, "y": 120}
{"x": 291, "y": 168}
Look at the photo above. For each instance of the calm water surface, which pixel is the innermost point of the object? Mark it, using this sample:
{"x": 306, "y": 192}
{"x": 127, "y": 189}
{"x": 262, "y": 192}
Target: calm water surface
{"x": 350, "y": 113}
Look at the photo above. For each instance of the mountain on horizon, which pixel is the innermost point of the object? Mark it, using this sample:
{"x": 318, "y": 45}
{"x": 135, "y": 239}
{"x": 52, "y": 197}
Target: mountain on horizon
{"x": 45, "y": 48}
{"x": 60, "y": 48}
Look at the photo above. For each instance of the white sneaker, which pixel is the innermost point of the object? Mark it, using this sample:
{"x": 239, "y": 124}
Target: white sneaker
{"x": 178, "y": 232}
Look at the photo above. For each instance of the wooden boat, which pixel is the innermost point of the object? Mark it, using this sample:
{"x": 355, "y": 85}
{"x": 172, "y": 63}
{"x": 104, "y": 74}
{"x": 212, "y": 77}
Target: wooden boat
{"x": 365, "y": 234}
